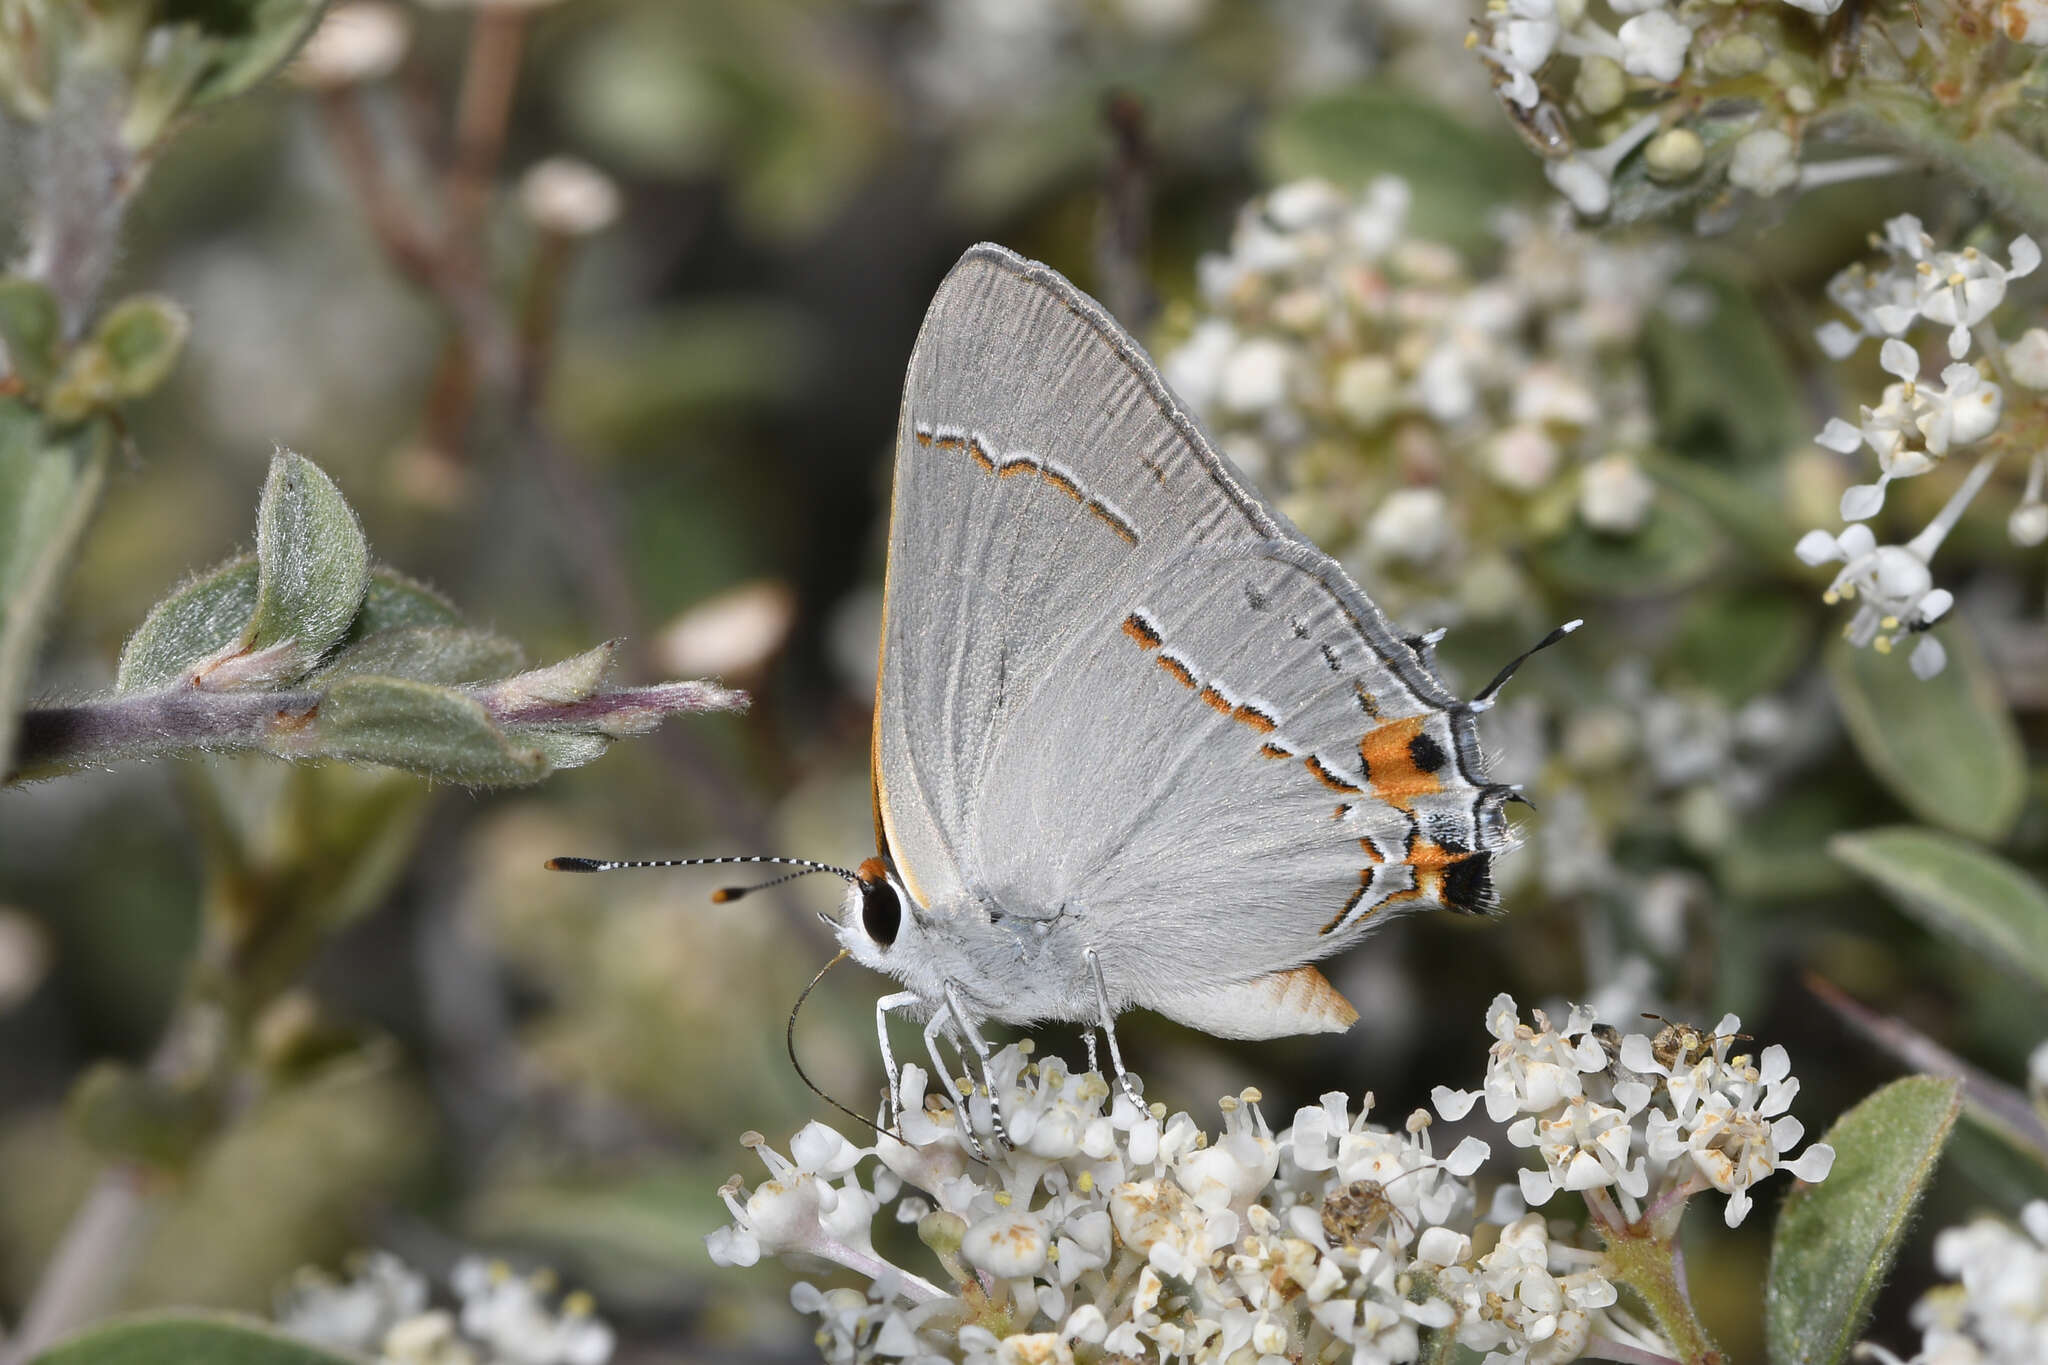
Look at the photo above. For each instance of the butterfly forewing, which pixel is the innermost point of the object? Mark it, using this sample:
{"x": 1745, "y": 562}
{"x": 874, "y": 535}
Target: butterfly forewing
{"x": 1116, "y": 685}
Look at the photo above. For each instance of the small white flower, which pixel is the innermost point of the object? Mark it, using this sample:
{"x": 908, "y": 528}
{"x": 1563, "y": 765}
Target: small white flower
{"x": 1959, "y": 289}
{"x": 1255, "y": 375}
{"x": 355, "y": 43}
{"x": 1653, "y": 44}
{"x": 568, "y": 197}
{"x": 2027, "y": 359}
{"x": 1615, "y": 495}
{"x": 1765, "y": 162}
{"x": 1410, "y": 524}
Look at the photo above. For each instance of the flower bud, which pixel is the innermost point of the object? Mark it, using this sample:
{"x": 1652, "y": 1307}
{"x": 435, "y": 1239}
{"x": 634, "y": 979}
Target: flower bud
{"x": 1675, "y": 155}
{"x": 1601, "y": 85}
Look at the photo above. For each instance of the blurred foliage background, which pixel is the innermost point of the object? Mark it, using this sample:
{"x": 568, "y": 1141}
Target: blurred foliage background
{"x": 694, "y": 454}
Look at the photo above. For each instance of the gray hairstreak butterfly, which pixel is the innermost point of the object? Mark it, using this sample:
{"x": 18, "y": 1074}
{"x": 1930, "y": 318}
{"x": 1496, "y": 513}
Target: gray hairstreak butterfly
{"x": 1137, "y": 742}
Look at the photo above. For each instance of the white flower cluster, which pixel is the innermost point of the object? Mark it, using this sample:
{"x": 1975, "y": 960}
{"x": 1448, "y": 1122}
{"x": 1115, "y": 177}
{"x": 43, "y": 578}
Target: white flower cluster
{"x": 1997, "y": 1311}
{"x": 1329, "y": 333}
{"x": 383, "y": 1312}
{"x": 1916, "y": 424}
{"x": 1653, "y": 1119}
{"x": 1626, "y": 48}
{"x": 1120, "y": 1231}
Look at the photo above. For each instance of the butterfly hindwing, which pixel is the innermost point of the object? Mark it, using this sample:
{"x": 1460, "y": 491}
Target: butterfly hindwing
{"x": 1117, "y": 686}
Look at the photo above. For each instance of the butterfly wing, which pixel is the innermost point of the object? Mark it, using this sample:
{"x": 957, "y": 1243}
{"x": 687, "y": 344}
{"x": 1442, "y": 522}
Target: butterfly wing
{"x": 1117, "y": 686}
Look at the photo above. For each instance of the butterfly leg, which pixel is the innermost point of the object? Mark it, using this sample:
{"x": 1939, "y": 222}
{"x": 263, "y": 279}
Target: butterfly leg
{"x": 1108, "y": 1022}
{"x": 1089, "y": 1034}
{"x": 988, "y": 1082}
{"x": 884, "y": 1007}
{"x": 942, "y": 1022}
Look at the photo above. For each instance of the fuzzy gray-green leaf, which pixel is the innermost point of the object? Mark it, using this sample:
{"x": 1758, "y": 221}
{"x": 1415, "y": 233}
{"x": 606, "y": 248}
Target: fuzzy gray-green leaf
{"x": 418, "y": 726}
{"x": 1959, "y": 891}
{"x": 393, "y": 600}
{"x": 1835, "y": 1241}
{"x": 30, "y": 330}
{"x": 262, "y": 38}
{"x": 1946, "y": 747}
{"x": 142, "y": 337}
{"x": 186, "y": 1339}
{"x": 48, "y": 486}
{"x": 204, "y": 616}
{"x": 313, "y": 570}
{"x": 449, "y": 655}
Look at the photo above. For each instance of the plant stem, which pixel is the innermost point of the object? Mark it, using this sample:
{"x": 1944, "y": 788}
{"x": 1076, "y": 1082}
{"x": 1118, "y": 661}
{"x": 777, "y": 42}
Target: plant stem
{"x": 78, "y": 192}
{"x": 91, "y": 1265}
{"x": 1996, "y": 163}
{"x": 1649, "y": 1266}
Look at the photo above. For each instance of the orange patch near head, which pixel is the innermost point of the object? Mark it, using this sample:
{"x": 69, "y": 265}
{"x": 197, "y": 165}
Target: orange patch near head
{"x": 872, "y": 870}
{"x": 1401, "y": 761}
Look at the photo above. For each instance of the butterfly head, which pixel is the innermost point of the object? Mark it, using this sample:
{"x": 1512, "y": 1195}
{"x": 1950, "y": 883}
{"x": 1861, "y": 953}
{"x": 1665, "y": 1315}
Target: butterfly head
{"x": 876, "y": 923}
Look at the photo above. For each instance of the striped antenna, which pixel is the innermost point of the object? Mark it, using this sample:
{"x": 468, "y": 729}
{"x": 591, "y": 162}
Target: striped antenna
{"x": 724, "y": 895}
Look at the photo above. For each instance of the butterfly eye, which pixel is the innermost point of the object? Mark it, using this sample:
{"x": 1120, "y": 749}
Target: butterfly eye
{"x": 881, "y": 914}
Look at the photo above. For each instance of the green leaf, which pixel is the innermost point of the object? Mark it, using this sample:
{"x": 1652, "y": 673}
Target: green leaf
{"x": 393, "y": 600}
{"x": 449, "y": 655}
{"x": 1738, "y": 644}
{"x": 202, "y": 617}
{"x": 313, "y": 571}
{"x": 415, "y": 726}
{"x": 187, "y": 1339}
{"x": 1638, "y": 195}
{"x": 1835, "y": 1241}
{"x": 1723, "y": 384}
{"x": 1958, "y": 891}
{"x": 31, "y": 330}
{"x": 142, "y": 337}
{"x": 255, "y": 38}
{"x": 1458, "y": 175}
{"x": 48, "y": 487}
{"x": 1676, "y": 548}
{"x": 126, "y": 1115}
{"x": 1946, "y": 747}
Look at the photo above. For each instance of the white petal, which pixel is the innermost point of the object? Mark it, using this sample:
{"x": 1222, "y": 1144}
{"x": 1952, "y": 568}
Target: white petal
{"x": 1860, "y": 502}
{"x": 1857, "y": 541}
{"x": 1635, "y": 1048}
{"x": 1929, "y": 658}
{"x": 1893, "y": 318}
{"x": 1839, "y": 435}
{"x": 1451, "y": 1104}
{"x": 1738, "y": 1207}
{"x": 1896, "y": 357}
{"x": 1537, "y": 1186}
{"x": 1466, "y": 1157}
{"x": 1838, "y": 340}
{"x": 1813, "y": 1164}
{"x": 1786, "y": 1132}
{"x": 2026, "y": 257}
{"x": 1959, "y": 341}
{"x": 1935, "y": 604}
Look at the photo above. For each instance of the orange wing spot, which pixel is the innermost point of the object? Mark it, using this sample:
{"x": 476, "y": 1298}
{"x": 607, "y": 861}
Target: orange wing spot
{"x": 1113, "y": 521}
{"x": 1343, "y": 809}
{"x": 980, "y": 456}
{"x": 1022, "y": 464}
{"x": 1139, "y": 629}
{"x": 1388, "y": 752}
{"x": 1178, "y": 669}
{"x": 1372, "y": 850}
{"x": 1275, "y": 751}
{"x": 949, "y": 442}
{"x": 1063, "y": 483}
{"x": 1325, "y": 776}
{"x": 1214, "y": 700}
{"x": 1366, "y": 701}
{"x": 924, "y": 438}
{"x": 1254, "y": 717}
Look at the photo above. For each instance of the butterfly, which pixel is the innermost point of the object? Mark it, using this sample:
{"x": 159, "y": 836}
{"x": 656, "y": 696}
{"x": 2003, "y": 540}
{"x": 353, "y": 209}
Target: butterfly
{"x": 1137, "y": 742}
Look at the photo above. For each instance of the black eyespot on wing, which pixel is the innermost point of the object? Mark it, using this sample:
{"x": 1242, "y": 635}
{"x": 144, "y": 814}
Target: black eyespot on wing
{"x": 1425, "y": 753}
{"x": 881, "y": 914}
{"x": 1468, "y": 884}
